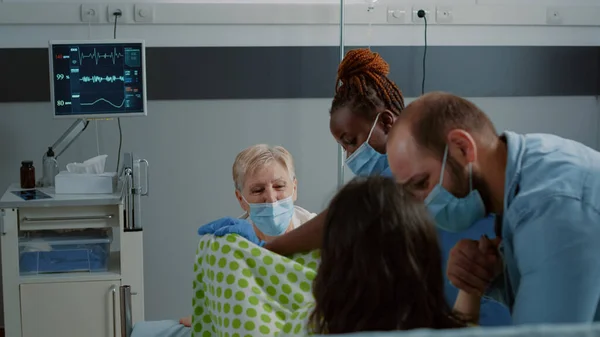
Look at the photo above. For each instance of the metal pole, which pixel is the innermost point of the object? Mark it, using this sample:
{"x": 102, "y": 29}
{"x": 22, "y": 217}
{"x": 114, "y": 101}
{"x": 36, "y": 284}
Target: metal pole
{"x": 341, "y": 153}
{"x": 126, "y": 318}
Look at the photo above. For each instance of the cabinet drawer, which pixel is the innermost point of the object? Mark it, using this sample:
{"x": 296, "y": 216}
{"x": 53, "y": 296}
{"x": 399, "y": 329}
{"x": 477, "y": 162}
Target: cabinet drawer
{"x": 71, "y": 309}
{"x": 68, "y": 217}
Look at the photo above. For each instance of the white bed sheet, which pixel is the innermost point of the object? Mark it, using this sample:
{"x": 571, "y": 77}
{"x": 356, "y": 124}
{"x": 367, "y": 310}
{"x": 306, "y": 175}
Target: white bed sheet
{"x": 167, "y": 328}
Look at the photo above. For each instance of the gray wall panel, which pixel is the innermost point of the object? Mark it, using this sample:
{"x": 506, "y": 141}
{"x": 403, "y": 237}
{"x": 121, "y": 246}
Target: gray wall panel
{"x": 241, "y": 72}
{"x": 496, "y": 71}
{"x": 183, "y": 73}
{"x": 24, "y": 75}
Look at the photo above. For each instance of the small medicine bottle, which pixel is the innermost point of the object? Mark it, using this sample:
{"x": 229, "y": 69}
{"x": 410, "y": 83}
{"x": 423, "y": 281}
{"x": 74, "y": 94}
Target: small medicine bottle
{"x": 27, "y": 174}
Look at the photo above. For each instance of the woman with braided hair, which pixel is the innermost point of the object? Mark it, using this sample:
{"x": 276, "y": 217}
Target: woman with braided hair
{"x": 365, "y": 106}
{"x": 363, "y": 111}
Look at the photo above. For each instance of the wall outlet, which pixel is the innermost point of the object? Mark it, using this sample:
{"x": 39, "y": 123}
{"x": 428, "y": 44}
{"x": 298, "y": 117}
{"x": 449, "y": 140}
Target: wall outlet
{"x": 443, "y": 14}
{"x": 553, "y": 16}
{"x": 396, "y": 15}
{"x": 90, "y": 13}
{"x": 428, "y": 14}
{"x": 143, "y": 13}
{"x": 112, "y": 8}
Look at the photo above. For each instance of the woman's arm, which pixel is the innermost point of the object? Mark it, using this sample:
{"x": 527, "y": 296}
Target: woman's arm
{"x": 467, "y": 306}
{"x": 302, "y": 239}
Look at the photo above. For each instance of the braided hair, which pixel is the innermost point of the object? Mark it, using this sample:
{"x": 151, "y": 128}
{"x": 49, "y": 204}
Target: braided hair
{"x": 362, "y": 84}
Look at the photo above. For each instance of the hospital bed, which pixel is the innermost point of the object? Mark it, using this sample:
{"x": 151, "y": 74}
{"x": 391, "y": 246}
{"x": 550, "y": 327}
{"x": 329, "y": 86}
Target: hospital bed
{"x": 173, "y": 329}
{"x": 167, "y": 328}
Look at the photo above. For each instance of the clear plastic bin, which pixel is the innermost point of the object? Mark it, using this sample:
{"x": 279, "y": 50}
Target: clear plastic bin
{"x": 64, "y": 254}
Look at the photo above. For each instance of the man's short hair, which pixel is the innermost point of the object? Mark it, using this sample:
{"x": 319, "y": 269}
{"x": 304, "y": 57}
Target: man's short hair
{"x": 439, "y": 113}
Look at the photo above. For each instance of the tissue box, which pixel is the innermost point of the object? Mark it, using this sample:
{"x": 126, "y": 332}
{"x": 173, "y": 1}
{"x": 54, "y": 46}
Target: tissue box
{"x": 85, "y": 183}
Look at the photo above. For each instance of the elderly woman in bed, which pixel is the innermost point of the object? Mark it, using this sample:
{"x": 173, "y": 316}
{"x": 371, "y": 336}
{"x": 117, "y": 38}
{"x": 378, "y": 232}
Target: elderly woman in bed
{"x": 266, "y": 188}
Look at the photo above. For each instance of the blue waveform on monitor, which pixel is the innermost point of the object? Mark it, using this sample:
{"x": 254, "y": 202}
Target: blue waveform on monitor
{"x": 107, "y": 101}
{"x": 97, "y": 56}
{"x": 100, "y": 79}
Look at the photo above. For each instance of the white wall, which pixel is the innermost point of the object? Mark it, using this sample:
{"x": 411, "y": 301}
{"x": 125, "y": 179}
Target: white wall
{"x": 191, "y": 144}
{"x": 307, "y": 22}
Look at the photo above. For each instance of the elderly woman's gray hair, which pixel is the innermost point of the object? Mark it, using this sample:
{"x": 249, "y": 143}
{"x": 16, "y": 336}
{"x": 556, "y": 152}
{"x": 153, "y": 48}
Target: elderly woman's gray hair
{"x": 258, "y": 156}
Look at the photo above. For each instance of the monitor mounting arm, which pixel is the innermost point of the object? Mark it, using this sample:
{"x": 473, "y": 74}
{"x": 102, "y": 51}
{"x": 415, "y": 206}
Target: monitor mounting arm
{"x": 68, "y": 138}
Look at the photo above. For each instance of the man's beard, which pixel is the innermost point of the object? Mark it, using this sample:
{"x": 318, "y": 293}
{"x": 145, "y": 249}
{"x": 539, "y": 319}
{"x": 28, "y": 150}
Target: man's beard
{"x": 460, "y": 182}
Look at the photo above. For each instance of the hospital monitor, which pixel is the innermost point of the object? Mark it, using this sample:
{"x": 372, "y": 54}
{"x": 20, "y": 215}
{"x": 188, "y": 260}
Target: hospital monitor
{"x": 98, "y": 79}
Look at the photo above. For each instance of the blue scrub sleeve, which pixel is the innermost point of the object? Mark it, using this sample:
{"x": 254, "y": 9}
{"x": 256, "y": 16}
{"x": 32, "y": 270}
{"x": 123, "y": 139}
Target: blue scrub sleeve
{"x": 557, "y": 252}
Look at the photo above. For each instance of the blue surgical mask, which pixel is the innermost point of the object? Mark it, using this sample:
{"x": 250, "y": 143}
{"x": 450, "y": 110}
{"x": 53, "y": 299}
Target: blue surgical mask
{"x": 273, "y": 219}
{"x": 454, "y": 214}
{"x": 365, "y": 161}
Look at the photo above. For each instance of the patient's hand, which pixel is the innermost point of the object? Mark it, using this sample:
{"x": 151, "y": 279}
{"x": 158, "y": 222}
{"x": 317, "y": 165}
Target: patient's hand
{"x": 186, "y": 321}
{"x": 468, "y": 306}
{"x": 473, "y": 265}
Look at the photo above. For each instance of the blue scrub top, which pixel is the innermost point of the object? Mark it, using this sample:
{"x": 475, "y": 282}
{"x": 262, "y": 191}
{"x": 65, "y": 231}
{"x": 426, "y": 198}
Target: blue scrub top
{"x": 551, "y": 230}
{"x": 492, "y": 312}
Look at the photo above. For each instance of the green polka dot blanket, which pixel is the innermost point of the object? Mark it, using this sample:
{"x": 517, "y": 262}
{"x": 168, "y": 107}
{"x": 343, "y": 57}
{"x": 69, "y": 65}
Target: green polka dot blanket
{"x": 242, "y": 290}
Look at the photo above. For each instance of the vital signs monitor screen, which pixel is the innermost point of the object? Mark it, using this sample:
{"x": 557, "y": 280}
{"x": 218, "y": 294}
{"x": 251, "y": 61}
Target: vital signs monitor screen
{"x": 98, "y": 79}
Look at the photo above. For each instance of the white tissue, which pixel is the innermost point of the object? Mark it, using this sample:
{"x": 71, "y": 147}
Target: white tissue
{"x": 91, "y": 166}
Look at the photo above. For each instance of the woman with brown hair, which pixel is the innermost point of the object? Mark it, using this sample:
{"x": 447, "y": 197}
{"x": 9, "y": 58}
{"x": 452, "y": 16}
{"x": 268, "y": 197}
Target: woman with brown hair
{"x": 381, "y": 266}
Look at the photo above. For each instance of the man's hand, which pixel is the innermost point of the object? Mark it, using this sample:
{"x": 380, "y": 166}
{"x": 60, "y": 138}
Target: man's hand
{"x": 473, "y": 265}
